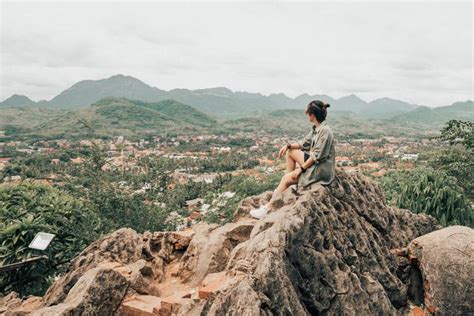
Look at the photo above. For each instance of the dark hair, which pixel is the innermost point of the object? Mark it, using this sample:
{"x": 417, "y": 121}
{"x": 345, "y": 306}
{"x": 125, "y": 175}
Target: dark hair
{"x": 318, "y": 109}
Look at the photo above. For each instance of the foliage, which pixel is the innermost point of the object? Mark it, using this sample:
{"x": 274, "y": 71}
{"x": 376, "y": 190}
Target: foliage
{"x": 457, "y": 160}
{"x": 26, "y": 209}
{"x": 459, "y": 132}
{"x": 429, "y": 191}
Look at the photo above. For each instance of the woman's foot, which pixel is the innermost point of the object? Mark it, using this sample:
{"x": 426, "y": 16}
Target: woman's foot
{"x": 260, "y": 212}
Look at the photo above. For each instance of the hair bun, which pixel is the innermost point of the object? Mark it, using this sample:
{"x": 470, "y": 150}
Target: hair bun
{"x": 324, "y": 106}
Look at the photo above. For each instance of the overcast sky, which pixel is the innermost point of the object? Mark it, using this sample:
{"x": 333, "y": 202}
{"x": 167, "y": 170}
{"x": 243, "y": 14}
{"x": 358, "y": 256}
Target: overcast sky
{"x": 420, "y": 53}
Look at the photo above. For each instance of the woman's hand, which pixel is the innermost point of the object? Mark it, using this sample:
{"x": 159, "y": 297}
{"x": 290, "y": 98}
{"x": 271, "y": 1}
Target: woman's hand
{"x": 282, "y": 151}
{"x": 296, "y": 173}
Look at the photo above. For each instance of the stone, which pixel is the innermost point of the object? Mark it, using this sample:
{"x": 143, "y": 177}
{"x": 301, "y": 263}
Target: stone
{"x": 98, "y": 292}
{"x": 443, "y": 272}
{"x": 122, "y": 247}
{"x": 140, "y": 305}
{"x": 12, "y": 305}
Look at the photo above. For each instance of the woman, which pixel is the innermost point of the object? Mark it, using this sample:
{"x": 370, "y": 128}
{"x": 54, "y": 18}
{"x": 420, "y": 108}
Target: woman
{"x": 315, "y": 155}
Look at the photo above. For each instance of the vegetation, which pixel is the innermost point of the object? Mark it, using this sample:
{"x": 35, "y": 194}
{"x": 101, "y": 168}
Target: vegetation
{"x": 444, "y": 188}
{"x": 433, "y": 192}
{"x": 27, "y": 209}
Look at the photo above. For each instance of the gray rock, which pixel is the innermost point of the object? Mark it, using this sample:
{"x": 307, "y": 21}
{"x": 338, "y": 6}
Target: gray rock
{"x": 445, "y": 259}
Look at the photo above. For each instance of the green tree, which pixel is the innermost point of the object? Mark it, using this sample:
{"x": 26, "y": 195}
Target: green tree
{"x": 459, "y": 132}
{"x": 457, "y": 159}
{"x": 26, "y": 209}
{"x": 429, "y": 191}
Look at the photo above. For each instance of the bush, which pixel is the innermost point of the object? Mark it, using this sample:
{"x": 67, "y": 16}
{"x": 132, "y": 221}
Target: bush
{"x": 26, "y": 209}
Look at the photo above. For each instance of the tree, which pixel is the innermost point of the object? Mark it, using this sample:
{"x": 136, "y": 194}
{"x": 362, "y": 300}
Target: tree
{"x": 429, "y": 191}
{"x": 26, "y": 209}
{"x": 457, "y": 160}
{"x": 459, "y": 132}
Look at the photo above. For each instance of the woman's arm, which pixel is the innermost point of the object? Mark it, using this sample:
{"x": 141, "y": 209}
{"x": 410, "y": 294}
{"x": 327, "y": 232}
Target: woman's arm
{"x": 288, "y": 146}
{"x": 321, "y": 149}
{"x": 296, "y": 173}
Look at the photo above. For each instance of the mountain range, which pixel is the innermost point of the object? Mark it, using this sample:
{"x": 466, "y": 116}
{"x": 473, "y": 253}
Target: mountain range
{"x": 217, "y": 102}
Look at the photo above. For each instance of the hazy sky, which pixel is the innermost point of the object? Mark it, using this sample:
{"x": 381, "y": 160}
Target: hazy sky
{"x": 418, "y": 52}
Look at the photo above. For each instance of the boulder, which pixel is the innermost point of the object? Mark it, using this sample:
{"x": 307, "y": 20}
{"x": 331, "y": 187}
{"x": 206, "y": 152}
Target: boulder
{"x": 98, "y": 292}
{"x": 443, "y": 271}
{"x": 123, "y": 246}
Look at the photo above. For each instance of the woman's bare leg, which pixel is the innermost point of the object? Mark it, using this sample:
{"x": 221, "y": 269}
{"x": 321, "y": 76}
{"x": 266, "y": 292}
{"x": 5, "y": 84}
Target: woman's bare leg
{"x": 294, "y": 156}
{"x": 285, "y": 183}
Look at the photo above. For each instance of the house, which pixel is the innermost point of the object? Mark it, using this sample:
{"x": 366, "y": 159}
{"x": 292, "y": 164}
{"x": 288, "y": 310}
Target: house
{"x": 409, "y": 157}
{"x": 193, "y": 204}
{"x": 77, "y": 160}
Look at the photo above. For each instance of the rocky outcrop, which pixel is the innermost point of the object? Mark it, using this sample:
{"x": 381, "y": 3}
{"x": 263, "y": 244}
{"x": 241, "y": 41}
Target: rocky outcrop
{"x": 443, "y": 271}
{"x": 323, "y": 250}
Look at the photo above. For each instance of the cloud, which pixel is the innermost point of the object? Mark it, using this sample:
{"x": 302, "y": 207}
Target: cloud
{"x": 419, "y": 52}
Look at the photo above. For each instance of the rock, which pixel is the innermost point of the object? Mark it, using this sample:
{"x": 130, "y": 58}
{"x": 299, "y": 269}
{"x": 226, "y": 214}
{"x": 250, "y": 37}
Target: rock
{"x": 122, "y": 246}
{"x": 140, "y": 305}
{"x": 443, "y": 273}
{"x": 9, "y": 302}
{"x": 28, "y": 306}
{"x": 98, "y": 292}
{"x": 319, "y": 254}
{"x": 335, "y": 250}
{"x": 210, "y": 248}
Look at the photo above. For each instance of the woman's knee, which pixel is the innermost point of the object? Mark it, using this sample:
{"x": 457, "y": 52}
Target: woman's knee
{"x": 286, "y": 178}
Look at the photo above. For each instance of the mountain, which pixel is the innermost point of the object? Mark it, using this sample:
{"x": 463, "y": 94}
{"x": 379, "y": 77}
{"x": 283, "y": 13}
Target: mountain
{"x": 437, "y": 116}
{"x": 221, "y": 102}
{"x": 17, "y": 100}
{"x": 86, "y": 92}
{"x": 459, "y": 111}
{"x": 386, "y": 108}
{"x": 349, "y": 103}
{"x": 121, "y": 116}
{"x": 337, "y": 250}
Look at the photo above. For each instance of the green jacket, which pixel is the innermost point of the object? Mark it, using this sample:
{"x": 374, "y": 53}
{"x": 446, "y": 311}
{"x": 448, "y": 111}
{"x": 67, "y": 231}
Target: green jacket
{"x": 319, "y": 144}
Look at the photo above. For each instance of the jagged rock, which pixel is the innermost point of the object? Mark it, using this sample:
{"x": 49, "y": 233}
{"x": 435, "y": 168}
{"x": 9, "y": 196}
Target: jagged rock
{"x": 321, "y": 254}
{"x": 444, "y": 270}
{"x": 26, "y": 308}
{"x": 210, "y": 249}
{"x": 323, "y": 250}
{"x": 12, "y": 305}
{"x": 98, "y": 292}
{"x": 9, "y": 302}
{"x": 122, "y": 246}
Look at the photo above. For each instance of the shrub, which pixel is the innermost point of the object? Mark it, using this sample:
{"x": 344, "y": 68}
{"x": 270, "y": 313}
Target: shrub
{"x": 26, "y": 209}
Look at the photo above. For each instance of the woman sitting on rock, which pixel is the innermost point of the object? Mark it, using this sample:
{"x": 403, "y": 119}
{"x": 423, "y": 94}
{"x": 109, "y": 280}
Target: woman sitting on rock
{"x": 315, "y": 155}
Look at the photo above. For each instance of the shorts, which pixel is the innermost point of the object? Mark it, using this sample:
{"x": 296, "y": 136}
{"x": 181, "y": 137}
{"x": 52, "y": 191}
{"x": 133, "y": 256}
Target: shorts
{"x": 306, "y": 156}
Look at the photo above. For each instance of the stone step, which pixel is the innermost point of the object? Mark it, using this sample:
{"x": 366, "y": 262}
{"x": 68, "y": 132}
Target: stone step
{"x": 141, "y": 305}
{"x": 149, "y": 305}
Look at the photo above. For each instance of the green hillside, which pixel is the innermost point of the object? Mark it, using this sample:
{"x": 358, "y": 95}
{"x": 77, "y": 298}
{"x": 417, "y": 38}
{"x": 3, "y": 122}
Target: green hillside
{"x": 436, "y": 117}
{"x": 179, "y": 111}
{"x": 14, "y": 120}
{"x": 119, "y": 116}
